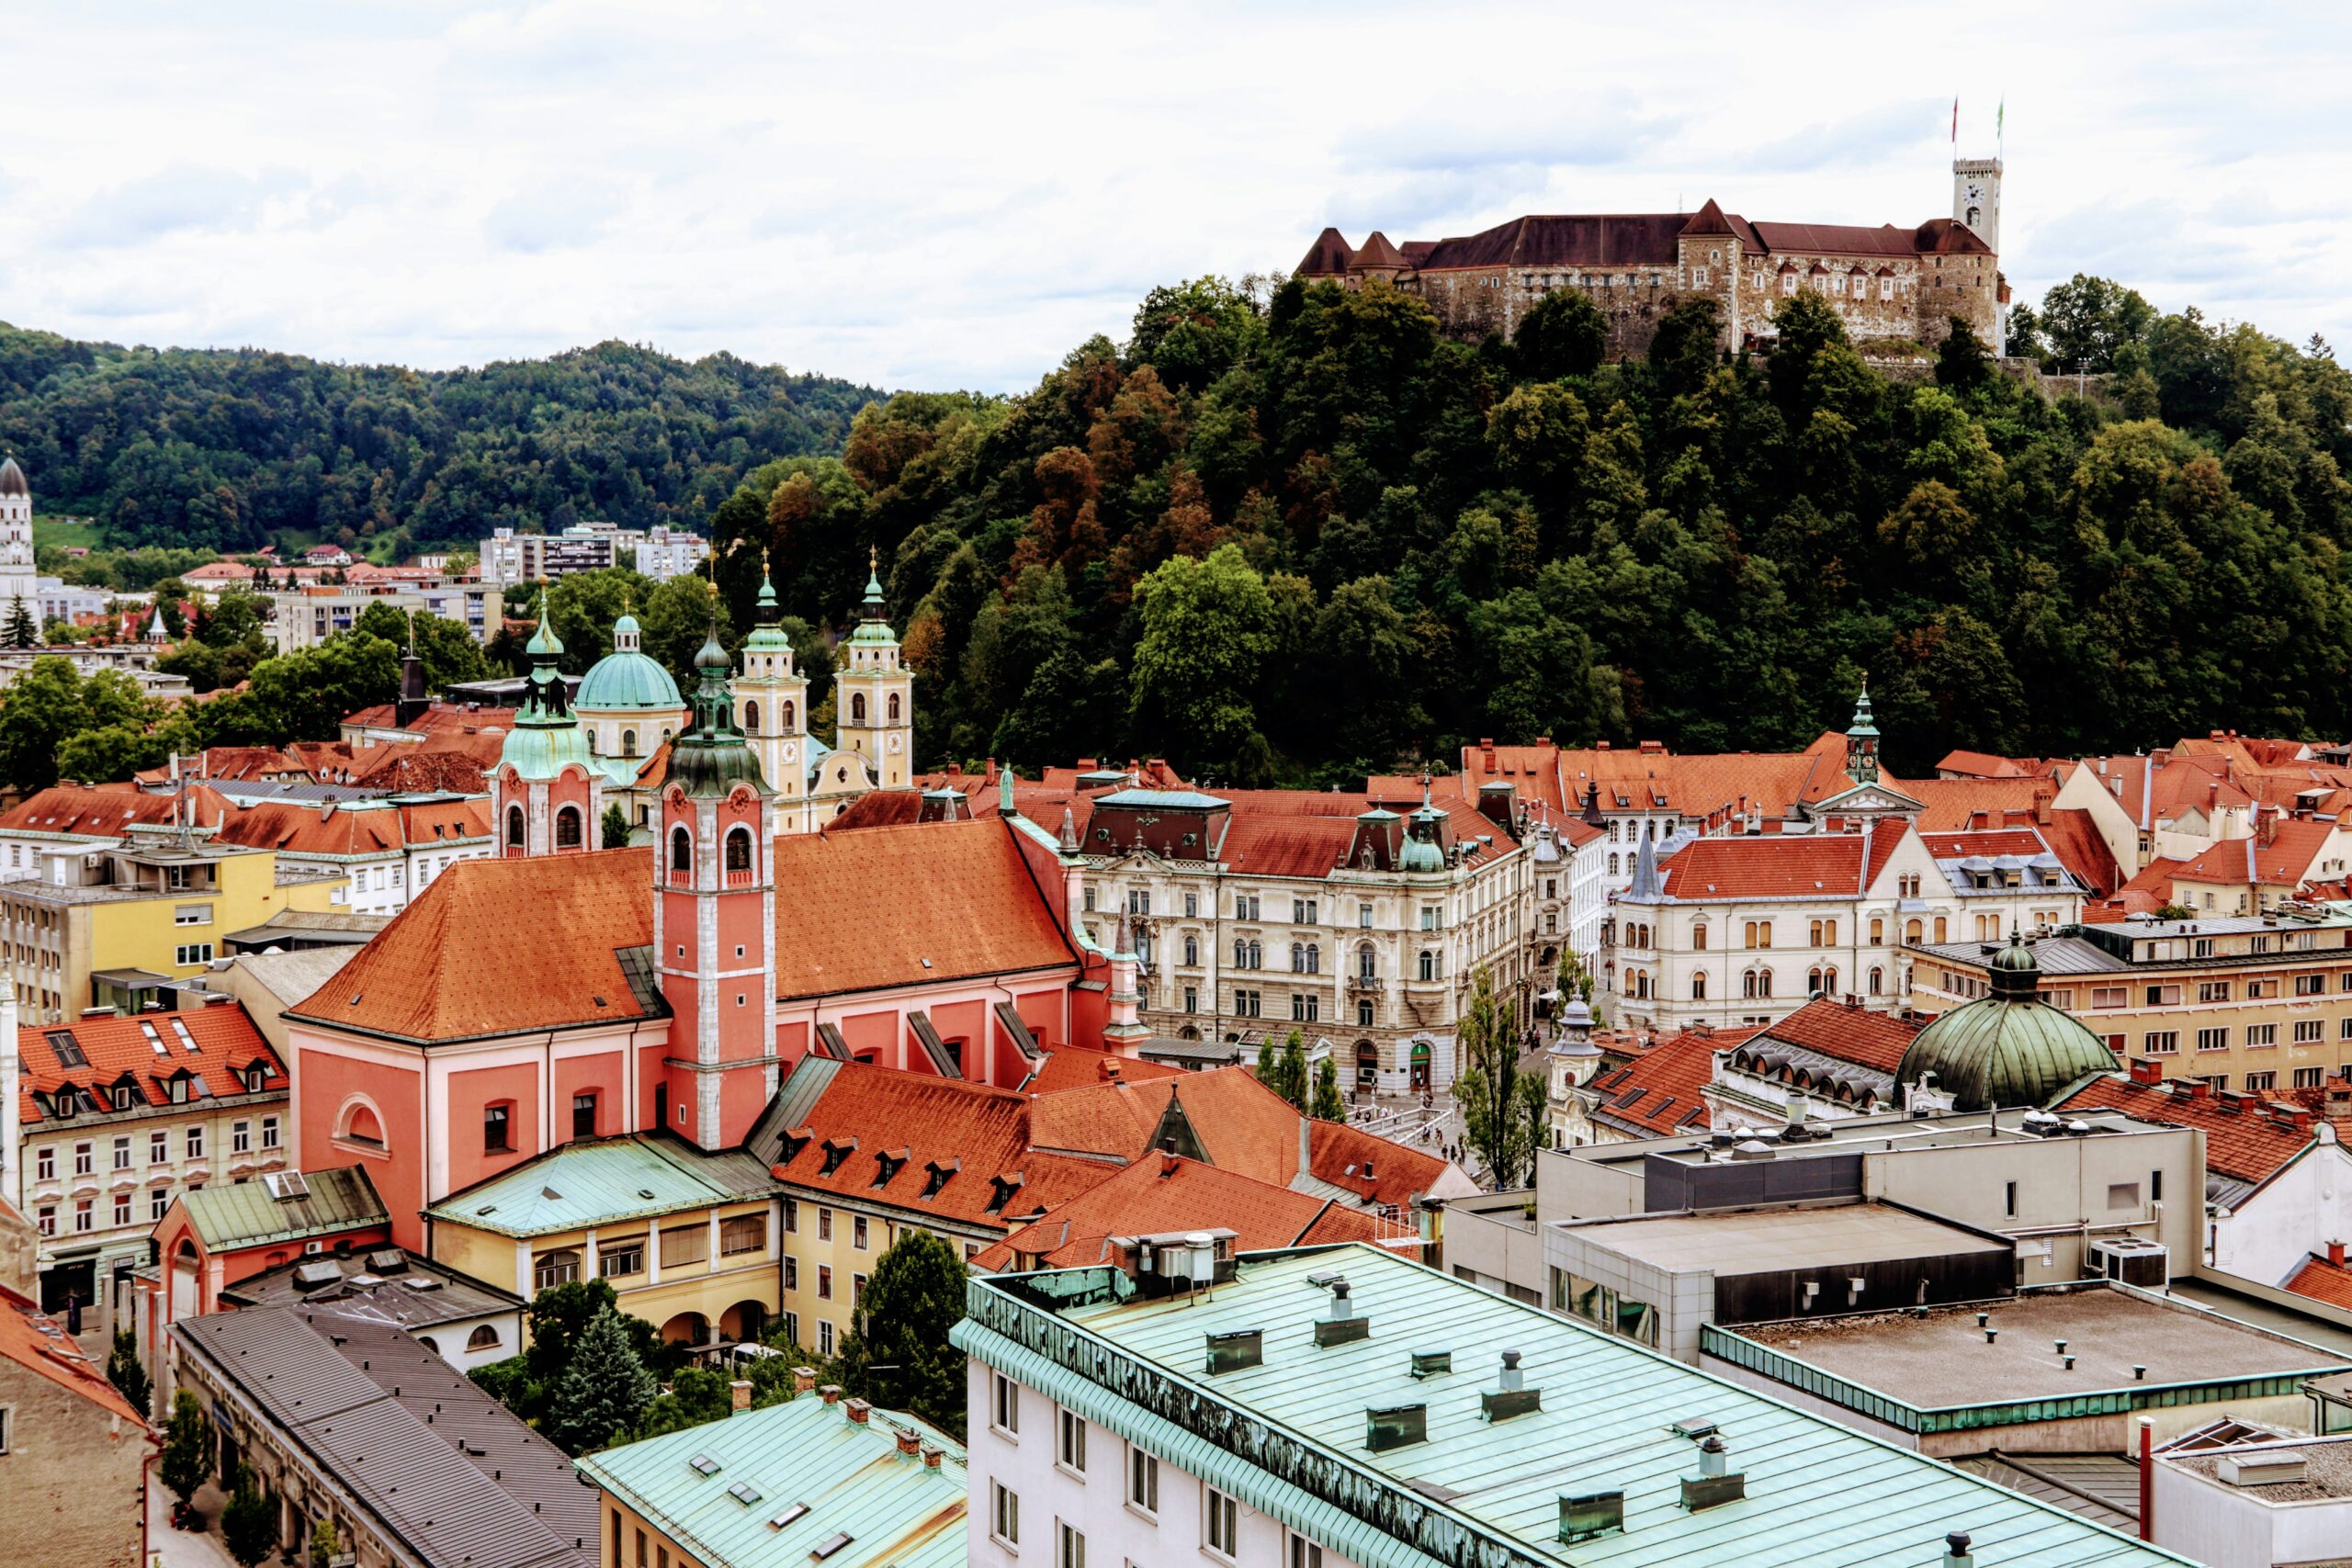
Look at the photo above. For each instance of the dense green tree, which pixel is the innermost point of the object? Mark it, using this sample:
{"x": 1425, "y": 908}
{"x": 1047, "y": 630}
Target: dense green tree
{"x": 604, "y": 1392}
{"x": 612, "y": 832}
{"x": 1502, "y": 1109}
{"x": 48, "y": 705}
{"x": 187, "y": 1449}
{"x": 1207, "y": 626}
{"x": 1328, "y": 1106}
{"x": 1282, "y": 1068}
{"x": 445, "y": 648}
{"x": 2086, "y": 324}
{"x": 249, "y": 1522}
{"x": 898, "y": 1354}
{"x": 23, "y": 631}
{"x": 127, "y": 1372}
{"x": 325, "y": 1544}
{"x": 1564, "y": 334}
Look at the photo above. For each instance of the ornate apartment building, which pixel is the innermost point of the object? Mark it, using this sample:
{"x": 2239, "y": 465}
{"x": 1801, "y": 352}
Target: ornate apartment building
{"x": 1902, "y": 283}
{"x": 1253, "y": 911}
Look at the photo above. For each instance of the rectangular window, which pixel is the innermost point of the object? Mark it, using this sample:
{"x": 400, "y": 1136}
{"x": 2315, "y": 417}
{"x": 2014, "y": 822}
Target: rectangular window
{"x": 240, "y": 1137}
{"x": 1004, "y": 1515}
{"x": 681, "y": 1245}
{"x": 493, "y": 1131}
{"x": 857, "y": 1232}
{"x": 2009, "y": 1199}
{"x": 1221, "y": 1524}
{"x": 1192, "y": 906}
{"x": 2262, "y": 1034}
{"x": 1143, "y": 1480}
{"x": 2161, "y": 1043}
{"x": 792, "y": 1216}
{"x": 2261, "y": 1083}
{"x": 791, "y": 1272}
{"x": 824, "y": 1283}
{"x": 45, "y": 1160}
{"x": 2309, "y": 985}
{"x": 618, "y": 1259}
{"x": 2108, "y": 996}
{"x": 196, "y": 1142}
{"x": 2309, "y": 1031}
{"x": 122, "y": 1208}
{"x": 194, "y": 952}
{"x": 192, "y": 915}
{"x": 49, "y": 1220}
{"x": 824, "y": 1224}
{"x": 2212, "y": 990}
{"x": 122, "y": 1153}
{"x": 2164, "y": 995}
{"x": 2309, "y": 1077}
{"x": 2213, "y": 1039}
{"x": 159, "y": 1201}
{"x": 1069, "y": 1440}
{"x": 857, "y": 1293}
{"x": 269, "y": 1132}
{"x": 85, "y": 1159}
{"x": 1303, "y": 1553}
{"x": 81, "y": 1217}
{"x": 1070, "y": 1550}
{"x": 584, "y": 1115}
{"x": 1004, "y": 1405}
{"x": 824, "y": 1338}
{"x": 159, "y": 1149}
{"x": 744, "y": 1233}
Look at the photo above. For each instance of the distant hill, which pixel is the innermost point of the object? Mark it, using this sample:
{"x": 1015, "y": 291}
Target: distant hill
{"x": 234, "y": 448}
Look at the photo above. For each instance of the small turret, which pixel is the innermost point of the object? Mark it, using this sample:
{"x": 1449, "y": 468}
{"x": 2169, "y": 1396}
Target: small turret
{"x": 1862, "y": 742}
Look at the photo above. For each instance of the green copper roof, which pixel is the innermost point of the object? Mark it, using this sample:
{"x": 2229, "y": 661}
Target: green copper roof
{"x": 543, "y": 638}
{"x": 874, "y": 615}
{"x": 248, "y": 1213}
{"x": 633, "y": 681}
{"x": 597, "y": 1181}
{"x": 2007, "y": 1049}
{"x": 547, "y": 737}
{"x": 1863, "y": 725}
{"x": 1479, "y": 1493}
{"x": 767, "y": 636}
{"x": 713, "y": 757}
{"x": 849, "y": 1477}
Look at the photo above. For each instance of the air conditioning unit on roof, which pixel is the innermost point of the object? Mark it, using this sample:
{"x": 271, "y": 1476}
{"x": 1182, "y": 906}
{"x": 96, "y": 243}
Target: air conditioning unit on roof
{"x": 2131, "y": 1260}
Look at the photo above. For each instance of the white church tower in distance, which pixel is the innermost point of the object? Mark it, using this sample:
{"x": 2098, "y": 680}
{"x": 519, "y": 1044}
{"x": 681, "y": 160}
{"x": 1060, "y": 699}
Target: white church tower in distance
{"x": 16, "y": 542}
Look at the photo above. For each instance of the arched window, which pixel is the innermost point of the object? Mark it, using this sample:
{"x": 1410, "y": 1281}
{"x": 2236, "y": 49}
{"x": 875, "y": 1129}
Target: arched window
{"x": 484, "y": 1337}
{"x": 1612, "y": 865}
{"x": 752, "y": 717}
{"x": 1363, "y": 1014}
{"x": 857, "y": 709}
{"x": 1878, "y": 981}
{"x": 784, "y": 716}
{"x": 894, "y": 707}
{"x": 1241, "y": 953}
{"x": 629, "y": 742}
{"x": 1298, "y": 958}
{"x": 1878, "y": 933}
{"x": 1257, "y": 955}
{"x": 513, "y": 827}
{"x": 1939, "y": 929}
{"x": 1911, "y": 931}
{"x": 1699, "y": 986}
{"x": 1428, "y": 964}
{"x": 1314, "y": 959}
{"x": 681, "y": 849}
{"x": 1699, "y": 937}
{"x": 739, "y": 849}
{"x": 1829, "y": 980}
{"x": 1812, "y": 982}
{"x": 567, "y": 827}
{"x": 1367, "y": 963}
{"x": 1764, "y": 982}
{"x": 360, "y": 1126}
{"x": 549, "y": 1270}
{"x": 1192, "y": 949}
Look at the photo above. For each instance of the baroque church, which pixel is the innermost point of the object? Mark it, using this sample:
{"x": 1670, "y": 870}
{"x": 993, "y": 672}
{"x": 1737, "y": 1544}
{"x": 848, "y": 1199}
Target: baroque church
{"x": 614, "y": 741}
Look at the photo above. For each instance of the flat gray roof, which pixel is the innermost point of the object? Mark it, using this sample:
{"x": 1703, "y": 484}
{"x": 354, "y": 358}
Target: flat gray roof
{"x": 1762, "y": 1241}
{"x": 1944, "y": 1360}
{"x": 2327, "y": 1468}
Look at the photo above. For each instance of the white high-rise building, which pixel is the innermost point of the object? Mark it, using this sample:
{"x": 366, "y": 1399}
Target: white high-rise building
{"x": 17, "y": 541}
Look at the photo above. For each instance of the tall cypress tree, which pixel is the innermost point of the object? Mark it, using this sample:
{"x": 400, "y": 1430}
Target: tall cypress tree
{"x": 602, "y": 1394}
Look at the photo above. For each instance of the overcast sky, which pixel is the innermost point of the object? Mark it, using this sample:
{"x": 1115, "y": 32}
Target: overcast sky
{"x": 954, "y": 196}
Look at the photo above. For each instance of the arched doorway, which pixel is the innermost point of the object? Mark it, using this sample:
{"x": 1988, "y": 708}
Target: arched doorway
{"x": 185, "y": 1298}
{"x": 1367, "y": 1065}
{"x": 1421, "y": 1063}
{"x": 744, "y": 1322}
{"x": 687, "y": 1329}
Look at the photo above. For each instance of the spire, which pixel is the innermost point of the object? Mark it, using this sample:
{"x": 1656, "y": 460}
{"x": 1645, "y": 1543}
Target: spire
{"x": 548, "y": 699}
{"x": 714, "y": 704}
{"x": 1645, "y": 886}
{"x": 1862, "y": 740}
{"x": 874, "y": 605}
{"x": 1004, "y": 792}
{"x": 768, "y": 612}
{"x": 1069, "y": 831}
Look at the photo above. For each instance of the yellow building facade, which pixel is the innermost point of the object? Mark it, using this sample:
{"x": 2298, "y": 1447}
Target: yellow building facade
{"x": 689, "y": 1241}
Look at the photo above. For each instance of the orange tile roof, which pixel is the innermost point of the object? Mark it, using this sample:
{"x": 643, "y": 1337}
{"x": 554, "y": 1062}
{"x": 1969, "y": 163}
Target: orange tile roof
{"x": 366, "y": 829}
{"x": 855, "y": 912}
{"x": 1080, "y": 1067}
{"x": 2075, "y": 839}
{"x": 96, "y": 813}
{"x": 1983, "y": 765}
{"x": 2285, "y": 861}
{"x": 1662, "y": 1090}
{"x": 1985, "y": 841}
{"x": 2245, "y": 1138}
{"x": 33, "y": 1340}
{"x": 1873, "y": 1040}
{"x": 1159, "y": 1196}
{"x": 114, "y": 1049}
{"x": 1952, "y": 805}
{"x": 1772, "y": 865}
{"x": 2323, "y": 1281}
{"x": 439, "y": 718}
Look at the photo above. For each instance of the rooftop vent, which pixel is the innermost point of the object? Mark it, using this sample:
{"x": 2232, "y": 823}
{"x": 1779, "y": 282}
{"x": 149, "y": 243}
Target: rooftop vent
{"x": 1510, "y": 1396}
{"x": 743, "y": 1492}
{"x": 1716, "y": 1483}
{"x": 1584, "y": 1516}
{"x": 1430, "y": 1363}
{"x": 789, "y": 1516}
{"x": 2264, "y": 1467}
{"x": 1236, "y": 1349}
{"x": 1340, "y": 1323}
{"x": 315, "y": 1276}
{"x": 1956, "y": 1552}
{"x": 1394, "y": 1425}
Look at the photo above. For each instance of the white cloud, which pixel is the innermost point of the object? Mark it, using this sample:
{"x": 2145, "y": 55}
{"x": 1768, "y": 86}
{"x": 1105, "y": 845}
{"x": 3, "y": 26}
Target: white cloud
{"x": 937, "y": 194}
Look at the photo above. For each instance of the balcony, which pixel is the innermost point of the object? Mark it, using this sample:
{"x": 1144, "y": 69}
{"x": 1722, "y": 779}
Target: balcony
{"x": 740, "y": 878}
{"x": 1360, "y": 982}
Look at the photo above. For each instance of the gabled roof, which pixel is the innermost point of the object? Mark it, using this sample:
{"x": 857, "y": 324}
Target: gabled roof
{"x": 2244, "y": 1139}
{"x": 230, "y": 1215}
{"x": 217, "y": 1046}
{"x": 1984, "y": 765}
{"x": 1640, "y": 239}
{"x": 1662, "y": 1090}
{"x": 2286, "y": 860}
{"x": 1080, "y": 1067}
{"x": 1773, "y": 866}
{"x": 1166, "y": 1193}
{"x": 597, "y": 1181}
{"x": 2323, "y": 1281}
{"x": 850, "y": 1478}
{"x": 39, "y": 1344}
{"x": 1855, "y": 1035}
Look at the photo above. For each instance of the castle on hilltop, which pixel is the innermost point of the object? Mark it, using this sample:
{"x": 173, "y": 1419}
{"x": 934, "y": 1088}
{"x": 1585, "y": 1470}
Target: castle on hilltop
{"x": 1887, "y": 283}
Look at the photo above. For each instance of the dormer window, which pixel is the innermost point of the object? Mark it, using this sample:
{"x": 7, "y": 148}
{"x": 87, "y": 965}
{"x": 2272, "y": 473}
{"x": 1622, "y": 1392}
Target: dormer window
{"x": 789, "y": 1146}
{"x": 940, "y": 1175}
{"x": 1000, "y": 1192}
{"x": 886, "y": 1165}
{"x": 836, "y": 1151}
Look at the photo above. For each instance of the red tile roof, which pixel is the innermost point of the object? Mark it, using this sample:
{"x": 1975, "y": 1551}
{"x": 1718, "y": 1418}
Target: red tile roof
{"x": 2295, "y": 847}
{"x": 148, "y": 1051}
{"x": 1988, "y": 843}
{"x": 855, "y": 912}
{"x": 1662, "y": 1090}
{"x": 440, "y": 719}
{"x": 1984, "y": 765}
{"x": 93, "y": 812}
{"x": 2075, "y": 839}
{"x": 1080, "y": 1067}
{"x": 2323, "y": 1281}
{"x": 1167, "y": 1193}
{"x": 1873, "y": 1040}
{"x": 1775, "y": 866}
{"x": 2245, "y": 1138}
{"x": 38, "y": 1343}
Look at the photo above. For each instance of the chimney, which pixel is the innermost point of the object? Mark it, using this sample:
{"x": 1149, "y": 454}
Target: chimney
{"x": 803, "y": 1379}
{"x": 859, "y": 1410}
{"x": 1340, "y": 1323}
{"x": 931, "y": 1452}
{"x": 2199, "y": 1089}
{"x": 831, "y": 1393}
{"x": 2147, "y": 1069}
{"x": 1956, "y": 1552}
{"x": 909, "y": 1442}
{"x": 2336, "y": 1252}
{"x": 739, "y": 1394}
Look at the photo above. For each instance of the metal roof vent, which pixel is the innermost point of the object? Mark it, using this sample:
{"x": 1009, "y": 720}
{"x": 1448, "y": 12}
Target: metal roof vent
{"x": 1956, "y": 1552}
{"x": 1585, "y": 1514}
{"x": 1395, "y": 1426}
{"x": 1716, "y": 1483}
{"x": 1236, "y": 1349}
{"x": 1430, "y": 1363}
{"x": 2266, "y": 1466}
{"x": 1510, "y": 1396}
{"x": 1754, "y": 1148}
{"x": 1340, "y": 1323}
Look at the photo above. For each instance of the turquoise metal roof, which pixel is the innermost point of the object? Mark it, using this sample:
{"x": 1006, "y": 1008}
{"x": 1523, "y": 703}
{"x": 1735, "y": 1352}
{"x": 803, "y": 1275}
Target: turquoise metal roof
{"x": 897, "y": 1512}
{"x": 600, "y": 1181}
{"x": 1482, "y": 1495}
{"x": 249, "y": 1213}
{"x": 628, "y": 682}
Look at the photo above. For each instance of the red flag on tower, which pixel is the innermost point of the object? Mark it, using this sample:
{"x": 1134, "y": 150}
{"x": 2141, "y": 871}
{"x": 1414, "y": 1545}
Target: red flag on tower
{"x": 1955, "y": 123}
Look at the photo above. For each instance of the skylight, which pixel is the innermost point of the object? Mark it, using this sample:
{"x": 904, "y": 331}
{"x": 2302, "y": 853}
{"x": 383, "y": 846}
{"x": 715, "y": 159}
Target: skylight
{"x": 703, "y": 1464}
{"x": 743, "y": 1492}
{"x": 187, "y": 1041}
{"x": 791, "y": 1516}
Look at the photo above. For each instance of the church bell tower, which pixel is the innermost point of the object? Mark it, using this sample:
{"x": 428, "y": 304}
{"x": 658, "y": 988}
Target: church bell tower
{"x": 1976, "y": 197}
{"x": 873, "y": 701}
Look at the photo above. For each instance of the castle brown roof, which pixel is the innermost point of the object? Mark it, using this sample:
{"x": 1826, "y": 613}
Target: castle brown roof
{"x": 1377, "y": 252}
{"x": 1841, "y": 239}
{"x": 1327, "y": 258}
{"x": 1638, "y": 239}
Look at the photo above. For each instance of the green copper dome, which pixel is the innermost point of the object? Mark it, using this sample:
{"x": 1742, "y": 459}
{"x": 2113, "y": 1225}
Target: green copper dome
{"x": 874, "y": 615}
{"x": 2008, "y": 1049}
{"x": 713, "y": 757}
{"x": 627, "y": 681}
{"x": 768, "y": 636}
{"x": 547, "y": 735}
{"x": 1422, "y": 852}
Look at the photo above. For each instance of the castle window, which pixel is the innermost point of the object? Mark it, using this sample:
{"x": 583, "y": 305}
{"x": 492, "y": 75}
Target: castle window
{"x": 1789, "y": 282}
{"x": 857, "y": 710}
{"x": 1886, "y": 288}
{"x": 567, "y": 827}
{"x": 894, "y": 707}
{"x": 1697, "y": 278}
{"x": 513, "y": 827}
{"x": 752, "y": 717}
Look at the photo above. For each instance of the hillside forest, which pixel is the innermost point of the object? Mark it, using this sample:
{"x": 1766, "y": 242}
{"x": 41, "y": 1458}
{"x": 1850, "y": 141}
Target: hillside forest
{"x": 1291, "y": 533}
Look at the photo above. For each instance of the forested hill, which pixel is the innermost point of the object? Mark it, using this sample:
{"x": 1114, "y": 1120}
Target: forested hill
{"x": 1300, "y": 535}
{"x": 225, "y": 448}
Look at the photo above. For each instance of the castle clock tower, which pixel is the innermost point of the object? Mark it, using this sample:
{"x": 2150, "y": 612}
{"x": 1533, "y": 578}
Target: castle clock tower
{"x": 1976, "y": 197}
{"x": 772, "y": 705}
{"x": 713, "y": 922}
{"x": 873, "y": 701}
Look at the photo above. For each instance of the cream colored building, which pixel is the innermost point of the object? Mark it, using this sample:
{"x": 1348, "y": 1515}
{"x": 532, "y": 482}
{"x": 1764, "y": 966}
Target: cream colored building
{"x": 2255, "y": 1003}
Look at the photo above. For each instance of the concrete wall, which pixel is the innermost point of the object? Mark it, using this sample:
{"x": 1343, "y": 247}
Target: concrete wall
{"x": 70, "y": 1483}
{"x": 1682, "y": 1300}
{"x": 2222, "y": 1527}
{"x": 1491, "y": 1241}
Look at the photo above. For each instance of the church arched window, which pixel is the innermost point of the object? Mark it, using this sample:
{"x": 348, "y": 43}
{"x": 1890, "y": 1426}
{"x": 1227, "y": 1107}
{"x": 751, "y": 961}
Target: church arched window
{"x": 681, "y": 849}
{"x": 567, "y": 827}
{"x": 752, "y": 717}
{"x": 784, "y": 716}
{"x": 857, "y": 709}
{"x": 894, "y": 707}
{"x": 739, "y": 849}
{"x": 513, "y": 827}
{"x": 629, "y": 742}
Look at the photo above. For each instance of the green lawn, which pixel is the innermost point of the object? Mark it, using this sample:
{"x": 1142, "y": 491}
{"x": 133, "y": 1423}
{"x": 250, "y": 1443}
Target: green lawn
{"x": 58, "y": 531}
